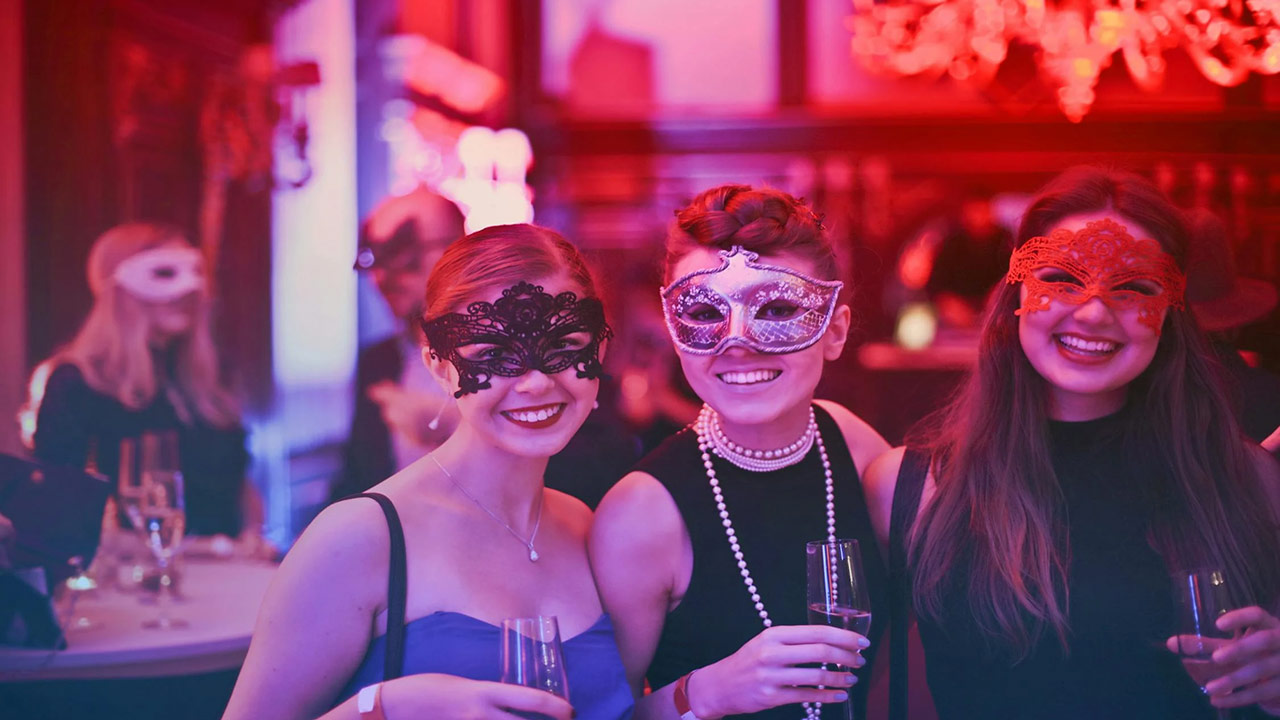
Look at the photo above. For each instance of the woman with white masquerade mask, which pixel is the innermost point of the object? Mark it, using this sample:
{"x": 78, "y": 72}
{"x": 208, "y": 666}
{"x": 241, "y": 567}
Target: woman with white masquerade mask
{"x": 144, "y": 361}
{"x": 715, "y": 617}
{"x": 1091, "y": 456}
{"x": 516, "y": 333}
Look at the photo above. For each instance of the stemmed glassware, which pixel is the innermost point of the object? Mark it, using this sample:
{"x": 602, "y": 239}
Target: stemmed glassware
{"x": 837, "y": 590}
{"x": 79, "y": 584}
{"x": 129, "y": 490}
{"x": 1200, "y": 597}
{"x": 162, "y": 509}
{"x": 532, "y": 655}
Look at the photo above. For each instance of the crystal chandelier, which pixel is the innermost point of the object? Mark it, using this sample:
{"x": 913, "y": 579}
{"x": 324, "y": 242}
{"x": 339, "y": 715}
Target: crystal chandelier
{"x": 1075, "y": 39}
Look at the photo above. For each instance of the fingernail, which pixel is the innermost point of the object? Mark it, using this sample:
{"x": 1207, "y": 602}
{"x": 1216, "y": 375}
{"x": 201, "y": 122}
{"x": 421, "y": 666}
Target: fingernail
{"x": 864, "y": 643}
{"x": 842, "y": 696}
{"x": 850, "y": 678}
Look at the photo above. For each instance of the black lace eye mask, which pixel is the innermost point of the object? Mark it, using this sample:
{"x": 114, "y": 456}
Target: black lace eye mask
{"x": 526, "y": 329}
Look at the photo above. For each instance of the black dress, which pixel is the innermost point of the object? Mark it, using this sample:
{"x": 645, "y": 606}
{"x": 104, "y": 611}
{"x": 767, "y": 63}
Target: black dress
{"x": 774, "y": 514}
{"x": 75, "y": 418}
{"x": 1120, "y": 610}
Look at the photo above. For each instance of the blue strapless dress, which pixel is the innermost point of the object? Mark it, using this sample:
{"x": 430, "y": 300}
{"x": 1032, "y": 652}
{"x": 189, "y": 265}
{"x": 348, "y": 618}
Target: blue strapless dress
{"x": 456, "y": 644}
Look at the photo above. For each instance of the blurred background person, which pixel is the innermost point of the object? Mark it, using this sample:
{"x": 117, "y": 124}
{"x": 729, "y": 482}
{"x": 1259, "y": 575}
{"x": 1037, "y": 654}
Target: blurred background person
{"x": 400, "y": 412}
{"x": 1223, "y": 303}
{"x": 654, "y": 399}
{"x": 972, "y": 255}
{"x": 144, "y": 361}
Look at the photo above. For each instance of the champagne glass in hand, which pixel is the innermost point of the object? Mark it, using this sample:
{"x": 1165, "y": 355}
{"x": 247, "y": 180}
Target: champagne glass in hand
{"x": 532, "y": 655}
{"x": 837, "y": 590}
{"x": 163, "y": 512}
{"x": 1200, "y": 597}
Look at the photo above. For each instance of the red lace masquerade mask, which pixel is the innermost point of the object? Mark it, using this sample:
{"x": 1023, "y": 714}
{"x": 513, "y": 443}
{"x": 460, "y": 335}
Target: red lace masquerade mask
{"x": 1104, "y": 261}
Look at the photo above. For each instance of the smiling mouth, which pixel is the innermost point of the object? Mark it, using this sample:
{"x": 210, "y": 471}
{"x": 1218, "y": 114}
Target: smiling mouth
{"x": 535, "y": 417}
{"x": 748, "y": 377}
{"x": 1089, "y": 348}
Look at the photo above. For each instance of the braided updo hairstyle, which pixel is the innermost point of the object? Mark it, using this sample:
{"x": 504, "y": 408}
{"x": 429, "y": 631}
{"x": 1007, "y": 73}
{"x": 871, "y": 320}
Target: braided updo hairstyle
{"x": 764, "y": 221}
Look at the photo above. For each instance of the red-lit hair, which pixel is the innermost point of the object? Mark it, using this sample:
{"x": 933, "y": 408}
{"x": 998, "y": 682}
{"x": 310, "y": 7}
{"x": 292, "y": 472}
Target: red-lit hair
{"x": 488, "y": 260}
{"x": 764, "y": 221}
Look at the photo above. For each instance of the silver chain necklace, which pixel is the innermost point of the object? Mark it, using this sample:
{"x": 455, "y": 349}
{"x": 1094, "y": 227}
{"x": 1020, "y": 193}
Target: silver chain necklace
{"x": 533, "y": 554}
{"x": 707, "y": 420}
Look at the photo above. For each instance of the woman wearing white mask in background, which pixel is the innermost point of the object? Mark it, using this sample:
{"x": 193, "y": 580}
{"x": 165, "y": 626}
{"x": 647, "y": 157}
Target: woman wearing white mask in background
{"x": 144, "y": 361}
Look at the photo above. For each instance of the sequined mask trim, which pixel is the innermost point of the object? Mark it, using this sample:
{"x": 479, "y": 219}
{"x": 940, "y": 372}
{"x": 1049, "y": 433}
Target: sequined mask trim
{"x": 527, "y": 329}
{"x": 745, "y": 303}
{"x": 1104, "y": 261}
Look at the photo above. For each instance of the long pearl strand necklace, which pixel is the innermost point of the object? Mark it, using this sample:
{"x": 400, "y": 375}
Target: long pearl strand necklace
{"x": 708, "y": 427}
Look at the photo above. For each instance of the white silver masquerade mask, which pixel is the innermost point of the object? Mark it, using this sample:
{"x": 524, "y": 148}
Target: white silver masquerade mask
{"x": 765, "y": 308}
{"x": 162, "y": 274}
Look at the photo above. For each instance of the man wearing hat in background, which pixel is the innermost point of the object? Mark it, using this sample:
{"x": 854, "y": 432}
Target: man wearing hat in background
{"x": 1224, "y": 302}
{"x": 401, "y": 413}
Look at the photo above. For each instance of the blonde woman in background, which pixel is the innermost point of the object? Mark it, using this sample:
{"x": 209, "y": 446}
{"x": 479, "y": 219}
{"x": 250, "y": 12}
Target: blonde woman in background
{"x": 144, "y": 361}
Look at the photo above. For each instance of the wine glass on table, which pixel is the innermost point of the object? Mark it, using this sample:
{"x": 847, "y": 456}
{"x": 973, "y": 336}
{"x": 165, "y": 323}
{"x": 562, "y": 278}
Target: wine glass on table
{"x": 131, "y": 569}
{"x": 837, "y": 590}
{"x": 79, "y": 585}
{"x": 1201, "y": 597}
{"x": 532, "y": 655}
{"x": 162, "y": 509}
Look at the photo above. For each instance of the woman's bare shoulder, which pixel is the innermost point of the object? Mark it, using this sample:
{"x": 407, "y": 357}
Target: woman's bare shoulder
{"x": 865, "y": 443}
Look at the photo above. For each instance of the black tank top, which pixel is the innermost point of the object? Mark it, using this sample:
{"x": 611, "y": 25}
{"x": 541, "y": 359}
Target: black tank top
{"x": 774, "y": 514}
{"x": 1120, "y": 608}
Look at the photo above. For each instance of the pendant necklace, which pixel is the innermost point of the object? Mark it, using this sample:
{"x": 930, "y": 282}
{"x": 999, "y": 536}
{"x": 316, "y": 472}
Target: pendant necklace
{"x": 533, "y": 554}
{"x": 711, "y": 437}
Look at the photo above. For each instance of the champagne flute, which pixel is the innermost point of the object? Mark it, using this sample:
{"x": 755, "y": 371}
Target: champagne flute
{"x": 163, "y": 512}
{"x": 1201, "y": 596}
{"x": 837, "y": 590}
{"x": 129, "y": 488}
{"x": 532, "y": 655}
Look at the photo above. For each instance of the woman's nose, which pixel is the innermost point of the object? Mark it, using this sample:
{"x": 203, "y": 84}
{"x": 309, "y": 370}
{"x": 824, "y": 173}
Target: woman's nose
{"x": 1094, "y": 310}
{"x": 534, "y": 381}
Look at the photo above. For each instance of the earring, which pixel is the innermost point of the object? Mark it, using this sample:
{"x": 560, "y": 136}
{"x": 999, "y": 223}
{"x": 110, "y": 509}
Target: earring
{"x": 595, "y": 404}
{"x": 435, "y": 421}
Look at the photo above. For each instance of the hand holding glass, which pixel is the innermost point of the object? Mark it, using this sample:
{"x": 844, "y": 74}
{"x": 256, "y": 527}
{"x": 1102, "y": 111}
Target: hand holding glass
{"x": 1200, "y": 597}
{"x": 837, "y": 589}
{"x": 532, "y": 655}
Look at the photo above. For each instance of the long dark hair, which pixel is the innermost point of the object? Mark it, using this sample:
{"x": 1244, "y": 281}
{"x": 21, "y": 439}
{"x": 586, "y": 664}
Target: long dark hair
{"x": 997, "y": 516}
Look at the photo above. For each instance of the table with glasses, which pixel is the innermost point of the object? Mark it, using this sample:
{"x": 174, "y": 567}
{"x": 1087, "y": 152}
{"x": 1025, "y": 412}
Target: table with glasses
{"x": 219, "y": 600}
{"x": 116, "y": 663}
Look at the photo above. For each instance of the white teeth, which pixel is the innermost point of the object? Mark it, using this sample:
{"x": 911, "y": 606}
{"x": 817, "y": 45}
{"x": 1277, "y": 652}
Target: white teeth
{"x": 1075, "y": 343}
{"x": 749, "y": 377}
{"x": 532, "y": 416}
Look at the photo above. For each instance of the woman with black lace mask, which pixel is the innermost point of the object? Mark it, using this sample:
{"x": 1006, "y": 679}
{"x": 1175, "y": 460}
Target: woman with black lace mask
{"x": 516, "y": 333}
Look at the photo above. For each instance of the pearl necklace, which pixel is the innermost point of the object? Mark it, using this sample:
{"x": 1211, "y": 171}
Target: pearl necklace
{"x": 762, "y": 460}
{"x": 706, "y": 425}
{"x": 537, "y": 523}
